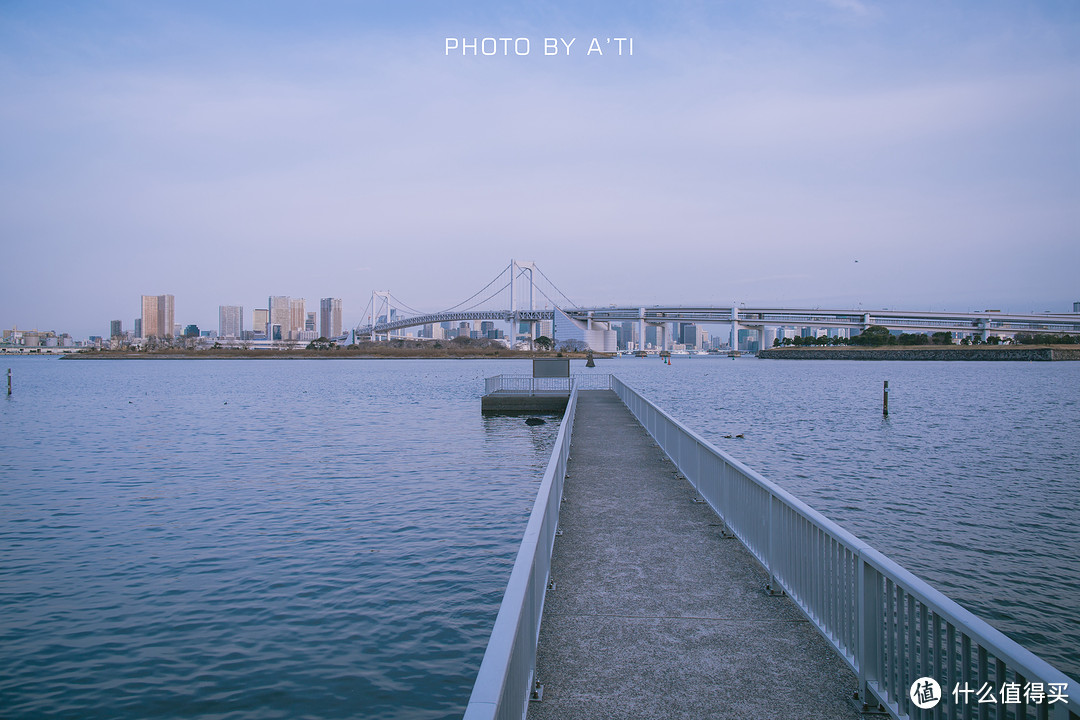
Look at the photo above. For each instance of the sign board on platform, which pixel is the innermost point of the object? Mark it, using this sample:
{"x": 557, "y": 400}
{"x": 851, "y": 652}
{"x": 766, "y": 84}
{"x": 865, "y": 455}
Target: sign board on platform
{"x": 551, "y": 367}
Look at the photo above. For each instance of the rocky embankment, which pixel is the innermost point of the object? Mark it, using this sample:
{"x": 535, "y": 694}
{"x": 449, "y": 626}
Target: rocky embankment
{"x": 936, "y": 352}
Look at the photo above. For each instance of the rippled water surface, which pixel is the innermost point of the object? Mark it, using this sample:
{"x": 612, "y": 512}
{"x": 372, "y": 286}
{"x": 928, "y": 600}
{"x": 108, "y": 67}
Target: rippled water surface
{"x": 328, "y": 539}
{"x": 254, "y": 539}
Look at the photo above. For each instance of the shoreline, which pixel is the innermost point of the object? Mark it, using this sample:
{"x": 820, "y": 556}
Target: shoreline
{"x": 1032, "y": 353}
{"x": 314, "y": 355}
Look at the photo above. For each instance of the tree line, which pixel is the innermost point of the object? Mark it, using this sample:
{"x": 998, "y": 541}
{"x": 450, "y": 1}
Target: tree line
{"x": 879, "y": 335}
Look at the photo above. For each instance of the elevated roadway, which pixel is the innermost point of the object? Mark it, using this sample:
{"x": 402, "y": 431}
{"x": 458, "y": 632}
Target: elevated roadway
{"x": 979, "y": 323}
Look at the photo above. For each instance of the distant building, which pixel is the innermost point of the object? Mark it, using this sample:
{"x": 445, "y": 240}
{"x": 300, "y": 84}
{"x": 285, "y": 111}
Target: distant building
{"x": 599, "y": 336}
{"x": 191, "y": 331}
{"x": 230, "y": 321}
{"x": 330, "y": 317}
{"x": 138, "y": 327}
{"x": 157, "y": 316}
{"x": 1076, "y": 307}
{"x": 297, "y": 316}
{"x": 688, "y": 335}
{"x": 280, "y": 317}
{"x": 116, "y": 328}
{"x": 259, "y": 318}
{"x": 309, "y": 323}
{"x": 749, "y": 340}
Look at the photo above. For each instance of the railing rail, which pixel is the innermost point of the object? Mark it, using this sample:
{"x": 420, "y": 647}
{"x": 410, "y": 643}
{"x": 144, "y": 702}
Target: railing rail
{"x": 505, "y": 678}
{"x": 592, "y": 381}
{"x": 526, "y": 384}
{"x": 890, "y": 626}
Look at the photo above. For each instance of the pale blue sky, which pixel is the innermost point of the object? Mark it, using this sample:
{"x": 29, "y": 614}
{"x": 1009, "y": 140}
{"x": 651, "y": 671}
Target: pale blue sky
{"x": 747, "y": 152}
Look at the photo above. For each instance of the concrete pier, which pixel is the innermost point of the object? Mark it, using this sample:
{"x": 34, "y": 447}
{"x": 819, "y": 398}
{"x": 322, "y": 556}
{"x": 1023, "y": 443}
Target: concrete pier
{"x": 654, "y": 614}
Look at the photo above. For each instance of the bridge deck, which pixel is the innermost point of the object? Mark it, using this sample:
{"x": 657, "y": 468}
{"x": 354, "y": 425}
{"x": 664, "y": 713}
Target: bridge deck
{"x": 653, "y": 614}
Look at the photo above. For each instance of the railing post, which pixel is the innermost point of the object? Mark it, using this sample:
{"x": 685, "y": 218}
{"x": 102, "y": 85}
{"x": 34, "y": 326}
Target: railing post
{"x": 868, "y": 621}
{"x": 775, "y": 546}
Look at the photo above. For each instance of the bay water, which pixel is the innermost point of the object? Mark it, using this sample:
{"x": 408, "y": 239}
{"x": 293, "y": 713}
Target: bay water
{"x": 331, "y": 539}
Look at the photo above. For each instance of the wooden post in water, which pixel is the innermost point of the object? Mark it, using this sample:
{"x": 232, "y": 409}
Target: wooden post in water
{"x": 885, "y": 400}
{"x": 9, "y": 381}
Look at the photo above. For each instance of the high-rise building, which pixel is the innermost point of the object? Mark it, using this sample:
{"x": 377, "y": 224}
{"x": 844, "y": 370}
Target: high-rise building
{"x": 279, "y": 315}
{"x": 309, "y": 322}
{"x": 297, "y": 316}
{"x": 230, "y": 321}
{"x": 330, "y": 317}
{"x": 116, "y": 328}
{"x": 149, "y": 316}
{"x": 138, "y": 327}
{"x": 1076, "y": 307}
{"x": 689, "y": 335}
{"x": 157, "y": 316}
{"x": 259, "y": 319}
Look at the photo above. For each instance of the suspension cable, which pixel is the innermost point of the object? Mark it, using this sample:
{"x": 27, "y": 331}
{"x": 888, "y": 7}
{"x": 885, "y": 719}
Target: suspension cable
{"x": 487, "y": 298}
{"x": 366, "y": 309}
{"x": 408, "y": 307}
{"x": 572, "y": 303}
{"x": 493, "y": 280}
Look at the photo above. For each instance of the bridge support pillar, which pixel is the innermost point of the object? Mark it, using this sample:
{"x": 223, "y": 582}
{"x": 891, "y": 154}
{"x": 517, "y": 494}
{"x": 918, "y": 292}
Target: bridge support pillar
{"x": 768, "y": 336}
{"x": 734, "y": 328}
{"x": 641, "y": 329}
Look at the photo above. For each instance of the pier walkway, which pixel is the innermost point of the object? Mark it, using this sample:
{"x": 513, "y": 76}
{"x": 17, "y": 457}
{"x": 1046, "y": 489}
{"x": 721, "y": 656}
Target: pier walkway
{"x": 654, "y": 614}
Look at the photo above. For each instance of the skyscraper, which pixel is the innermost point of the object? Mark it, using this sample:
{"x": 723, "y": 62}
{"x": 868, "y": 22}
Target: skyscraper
{"x": 280, "y": 316}
{"x": 157, "y": 316}
{"x": 689, "y": 335}
{"x": 116, "y": 328}
{"x": 330, "y": 317}
{"x": 260, "y": 318}
{"x": 309, "y": 321}
{"x": 230, "y": 321}
{"x": 296, "y": 317}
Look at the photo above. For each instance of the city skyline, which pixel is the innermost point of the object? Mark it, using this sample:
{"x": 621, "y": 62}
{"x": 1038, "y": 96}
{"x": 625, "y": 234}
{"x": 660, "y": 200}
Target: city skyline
{"x": 817, "y": 153}
{"x": 293, "y": 315}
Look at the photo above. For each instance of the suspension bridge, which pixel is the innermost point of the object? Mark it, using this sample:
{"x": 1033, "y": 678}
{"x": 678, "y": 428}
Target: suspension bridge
{"x": 517, "y": 288}
{"x": 522, "y": 296}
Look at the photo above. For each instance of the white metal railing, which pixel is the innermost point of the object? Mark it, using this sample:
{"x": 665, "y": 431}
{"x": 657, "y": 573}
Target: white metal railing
{"x": 890, "y": 626}
{"x": 592, "y": 381}
{"x": 526, "y": 384}
{"x": 504, "y": 681}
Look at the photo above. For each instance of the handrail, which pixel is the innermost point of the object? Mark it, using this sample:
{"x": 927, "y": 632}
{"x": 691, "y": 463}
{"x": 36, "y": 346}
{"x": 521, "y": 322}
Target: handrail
{"x": 506, "y": 674}
{"x": 888, "y": 625}
{"x": 528, "y": 384}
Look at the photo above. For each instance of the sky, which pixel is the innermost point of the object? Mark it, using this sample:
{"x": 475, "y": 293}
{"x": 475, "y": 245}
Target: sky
{"x": 812, "y": 153}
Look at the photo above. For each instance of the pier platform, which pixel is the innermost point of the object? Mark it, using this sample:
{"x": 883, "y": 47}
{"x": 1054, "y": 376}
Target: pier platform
{"x": 518, "y": 394}
{"x": 653, "y": 613}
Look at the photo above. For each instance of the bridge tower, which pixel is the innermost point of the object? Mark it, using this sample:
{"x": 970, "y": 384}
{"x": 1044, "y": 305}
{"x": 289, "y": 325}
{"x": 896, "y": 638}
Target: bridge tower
{"x": 380, "y": 302}
{"x": 641, "y": 329}
{"x": 517, "y": 269}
